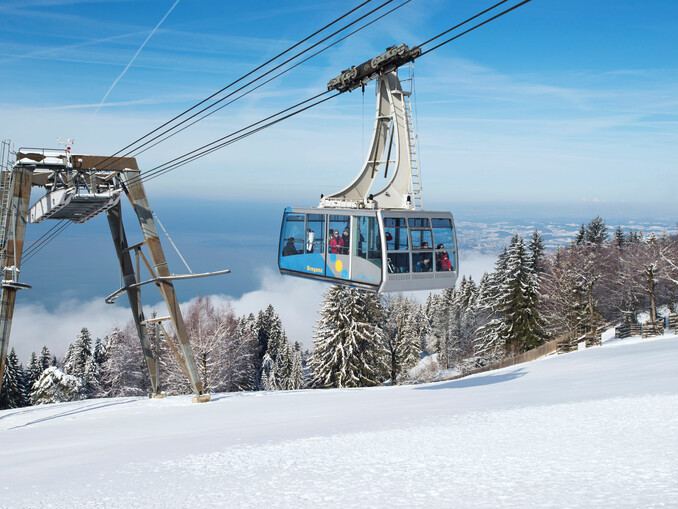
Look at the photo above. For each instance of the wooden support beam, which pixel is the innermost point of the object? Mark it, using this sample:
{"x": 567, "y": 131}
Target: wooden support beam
{"x": 137, "y": 195}
{"x": 114, "y": 216}
{"x": 17, "y": 215}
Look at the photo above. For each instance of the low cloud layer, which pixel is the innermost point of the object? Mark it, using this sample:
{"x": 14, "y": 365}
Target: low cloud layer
{"x": 296, "y": 300}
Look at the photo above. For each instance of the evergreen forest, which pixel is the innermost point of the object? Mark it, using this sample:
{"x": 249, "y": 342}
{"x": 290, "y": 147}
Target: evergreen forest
{"x": 601, "y": 278}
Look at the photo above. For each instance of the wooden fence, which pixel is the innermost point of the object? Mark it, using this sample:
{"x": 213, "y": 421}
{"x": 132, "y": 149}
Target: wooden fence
{"x": 673, "y": 323}
{"x": 645, "y": 330}
{"x": 566, "y": 343}
{"x": 530, "y": 355}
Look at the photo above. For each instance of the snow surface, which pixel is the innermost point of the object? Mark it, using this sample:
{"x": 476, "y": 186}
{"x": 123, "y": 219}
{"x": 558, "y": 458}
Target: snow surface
{"x": 592, "y": 428}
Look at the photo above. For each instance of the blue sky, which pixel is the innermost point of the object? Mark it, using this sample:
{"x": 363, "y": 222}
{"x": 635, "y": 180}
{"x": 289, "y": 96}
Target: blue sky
{"x": 562, "y": 105}
{"x": 559, "y": 101}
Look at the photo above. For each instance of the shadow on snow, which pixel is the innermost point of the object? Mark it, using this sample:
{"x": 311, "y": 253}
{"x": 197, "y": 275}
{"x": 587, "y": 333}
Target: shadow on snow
{"x": 477, "y": 381}
{"x": 79, "y": 410}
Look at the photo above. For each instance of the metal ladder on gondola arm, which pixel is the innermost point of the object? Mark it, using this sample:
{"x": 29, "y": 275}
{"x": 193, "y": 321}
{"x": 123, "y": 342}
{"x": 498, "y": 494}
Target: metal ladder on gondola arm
{"x": 393, "y": 137}
{"x": 415, "y": 183}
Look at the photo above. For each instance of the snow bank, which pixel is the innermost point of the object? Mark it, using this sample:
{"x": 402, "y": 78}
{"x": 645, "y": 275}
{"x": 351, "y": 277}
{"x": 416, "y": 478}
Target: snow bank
{"x": 595, "y": 427}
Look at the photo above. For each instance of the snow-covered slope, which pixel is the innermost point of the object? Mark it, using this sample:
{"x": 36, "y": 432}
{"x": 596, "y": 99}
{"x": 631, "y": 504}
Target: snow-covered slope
{"x": 593, "y": 428}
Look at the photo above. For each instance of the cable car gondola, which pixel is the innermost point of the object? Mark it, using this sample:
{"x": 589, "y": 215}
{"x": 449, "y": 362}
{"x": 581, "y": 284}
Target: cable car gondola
{"x": 378, "y": 250}
{"x": 383, "y": 241}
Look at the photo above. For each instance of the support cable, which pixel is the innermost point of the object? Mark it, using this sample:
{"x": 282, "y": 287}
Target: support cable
{"x": 171, "y": 241}
{"x": 211, "y": 147}
{"x": 35, "y": 243}
{"x": 215, "y": 145}
{"x": 464, "y": 22}
{"x": 243, "y": 133}
{"x": 472, "y": 28}
{"x": 171, "y": 134}
{"x": 134, "y": 151}
{"x": 57, "y": 230}
{"x": 245, "y": 76}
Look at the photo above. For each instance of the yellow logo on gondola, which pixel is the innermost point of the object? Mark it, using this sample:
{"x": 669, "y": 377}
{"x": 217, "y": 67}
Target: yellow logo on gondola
{"x": 315, "y": 270}
{"x": 339, "y": 265}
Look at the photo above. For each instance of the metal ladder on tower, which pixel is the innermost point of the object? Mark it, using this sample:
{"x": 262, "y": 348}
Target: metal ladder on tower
{"x": 415, "y": 183}
{"x": 5, "y": 195}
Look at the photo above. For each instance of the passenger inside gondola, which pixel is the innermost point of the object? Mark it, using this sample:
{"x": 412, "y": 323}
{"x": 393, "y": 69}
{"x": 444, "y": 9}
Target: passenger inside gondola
{"x": 443, "y": 262}
{"x": 336, "y": 242}
{"x": 346, "y": 241}
{"x": 422, "y": 262}
{"x": 289, "y": 248}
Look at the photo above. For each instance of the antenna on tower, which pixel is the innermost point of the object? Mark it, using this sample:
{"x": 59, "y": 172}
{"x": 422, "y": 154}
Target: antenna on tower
{"x": 66, "y": 143}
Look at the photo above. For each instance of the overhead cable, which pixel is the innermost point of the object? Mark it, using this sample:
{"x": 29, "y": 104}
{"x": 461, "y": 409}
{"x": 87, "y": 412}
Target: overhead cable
{"x": 221, "y": 142}
{"x": 472, "y": 28}
{"x": 138, "y": 152}
{"x": 229, "y": 138}
{"x": 39, "y": 244}
{"x": 132, "y": 144}
{"x": 464, "y": 22}
{"x": 134, "y": 151}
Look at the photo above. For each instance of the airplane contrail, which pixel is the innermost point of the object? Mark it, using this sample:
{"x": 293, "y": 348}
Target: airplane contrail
{"x": 135, "y": 56}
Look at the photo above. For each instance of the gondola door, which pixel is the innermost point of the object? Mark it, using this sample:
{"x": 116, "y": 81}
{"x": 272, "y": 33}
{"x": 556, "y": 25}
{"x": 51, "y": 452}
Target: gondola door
{"x": 338, "y": 259}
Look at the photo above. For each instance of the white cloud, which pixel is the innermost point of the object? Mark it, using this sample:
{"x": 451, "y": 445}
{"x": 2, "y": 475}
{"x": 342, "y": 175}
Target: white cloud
{"x": 296, "y": 300}
{"x": 34, "y": 326}
{"x": 475, "y": 264}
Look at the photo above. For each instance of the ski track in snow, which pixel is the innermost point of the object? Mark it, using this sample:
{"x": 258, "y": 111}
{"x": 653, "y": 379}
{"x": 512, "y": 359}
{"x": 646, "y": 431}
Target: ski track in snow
{"x": 594, "y": 428}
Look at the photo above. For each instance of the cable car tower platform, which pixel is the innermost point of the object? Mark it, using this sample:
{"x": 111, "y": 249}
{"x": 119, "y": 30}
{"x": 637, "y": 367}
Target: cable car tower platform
{"x": 77, "y": 188}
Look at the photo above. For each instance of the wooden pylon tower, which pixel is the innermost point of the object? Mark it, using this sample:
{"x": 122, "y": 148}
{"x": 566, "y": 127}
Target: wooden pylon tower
{"x": 78, "y": 187}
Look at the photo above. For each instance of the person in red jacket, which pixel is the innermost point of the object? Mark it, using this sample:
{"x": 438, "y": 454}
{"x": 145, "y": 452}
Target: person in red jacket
{"x": 443, "y": 260}
{"x": 336, "y": 243}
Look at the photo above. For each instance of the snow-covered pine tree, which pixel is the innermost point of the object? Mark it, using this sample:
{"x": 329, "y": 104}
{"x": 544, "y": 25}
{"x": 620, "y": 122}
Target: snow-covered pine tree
{"x": 272, "y": 341}
{"x": 589, "y": 270}
{"x": 79, "y": 362}
{"x": 55, "y": 386}
{"x": 91, "y": 379}
{"x": 429, "y": 340}
{"x": 401, "y": 336}
{"x": 596, "y": 232}
{"x": 521, "y": 328}
{"x": 264, "y": 323}
{"x": 467, "y": 313}
{"x": 536, "y": 248}
{"x": 619, "y": 238}
{"x": 442, "y": 326}
{"x": 422, "y": 325}
{"x": 78, "y": 354}
{"x": 488, "y": 346}
{"x": 580, "y": 237}
{"x": 409, "y": 355}
{"x": 33, "y": 371}
{"x": 70, "y": 349}
{"x": 297, "y": 377}
{"x": 284, "y": 368}
{"x": 14, "y": 393}
{"x": 268, "y": 381}
{"x": 100, "y": 353}
{"x": 277, "y": 339}
{"x": 240, "y": 356}
{"x": 348, "y": 346}
{"x": 45, "y": 359}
